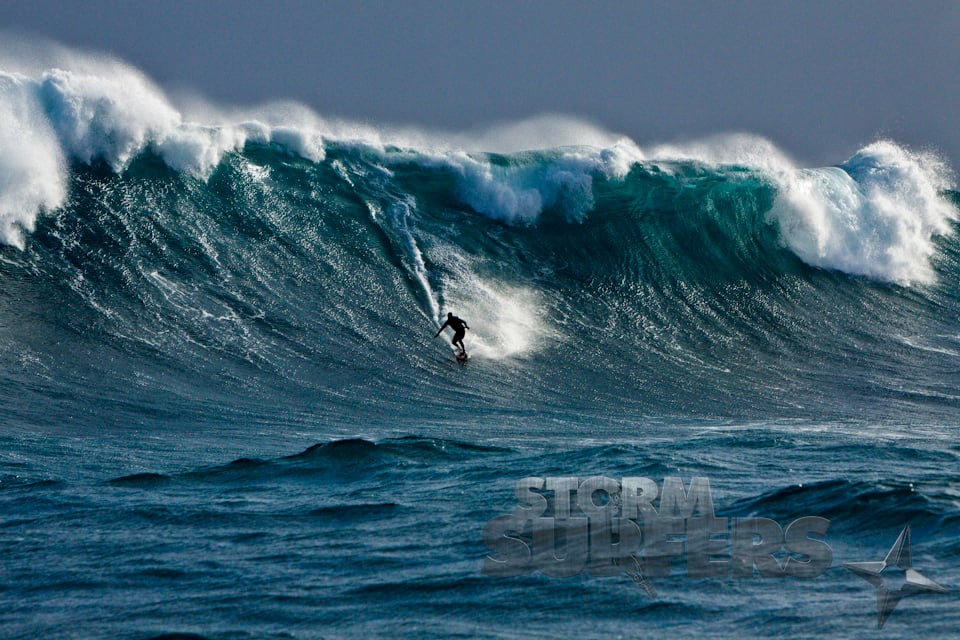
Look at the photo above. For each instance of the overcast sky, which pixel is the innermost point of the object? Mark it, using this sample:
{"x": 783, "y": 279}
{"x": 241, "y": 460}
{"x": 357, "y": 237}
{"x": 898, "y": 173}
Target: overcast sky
{"x": 820, "y": 79}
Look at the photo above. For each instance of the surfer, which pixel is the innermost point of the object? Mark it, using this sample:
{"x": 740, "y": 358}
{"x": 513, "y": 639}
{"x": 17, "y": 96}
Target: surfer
{"x": 459, "y": 330}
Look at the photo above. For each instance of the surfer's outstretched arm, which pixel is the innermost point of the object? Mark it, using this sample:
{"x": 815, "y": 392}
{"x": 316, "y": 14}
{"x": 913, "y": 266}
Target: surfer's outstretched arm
{"x": 442, "y": 327}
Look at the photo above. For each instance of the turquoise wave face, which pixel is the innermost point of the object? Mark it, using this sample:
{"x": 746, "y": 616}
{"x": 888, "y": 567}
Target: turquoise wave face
{"x": 280, "y": 287}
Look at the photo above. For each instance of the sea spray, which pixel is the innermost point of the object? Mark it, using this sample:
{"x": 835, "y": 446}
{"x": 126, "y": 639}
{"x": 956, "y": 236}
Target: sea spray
{"x": 876, "y": 215}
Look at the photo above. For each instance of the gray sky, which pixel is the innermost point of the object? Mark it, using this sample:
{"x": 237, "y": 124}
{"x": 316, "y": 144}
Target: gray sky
{"x": 820, "y": 79}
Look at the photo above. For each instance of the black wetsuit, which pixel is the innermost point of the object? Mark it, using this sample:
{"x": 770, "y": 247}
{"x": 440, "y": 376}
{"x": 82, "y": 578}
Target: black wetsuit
{"x": 459, "y": 331}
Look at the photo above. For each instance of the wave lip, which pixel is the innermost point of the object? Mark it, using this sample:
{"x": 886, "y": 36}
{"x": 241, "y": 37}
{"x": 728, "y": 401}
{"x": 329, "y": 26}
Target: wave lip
{"x": 875, "y": 215}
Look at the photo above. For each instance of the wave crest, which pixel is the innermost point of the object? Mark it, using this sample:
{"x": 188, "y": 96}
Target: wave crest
{"x": 875, "y": 215}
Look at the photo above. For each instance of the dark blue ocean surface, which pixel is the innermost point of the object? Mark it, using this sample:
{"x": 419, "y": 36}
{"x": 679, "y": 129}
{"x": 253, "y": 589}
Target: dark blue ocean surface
{"x": 362, "y": 537}
{"x": 224, "y": 412}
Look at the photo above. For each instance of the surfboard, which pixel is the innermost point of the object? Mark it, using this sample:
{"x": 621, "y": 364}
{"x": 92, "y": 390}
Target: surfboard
{"x": 462, "y": 356}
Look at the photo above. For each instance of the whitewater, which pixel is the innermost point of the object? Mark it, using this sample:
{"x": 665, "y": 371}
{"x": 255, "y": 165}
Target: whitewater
{"x": 225, "y": 413}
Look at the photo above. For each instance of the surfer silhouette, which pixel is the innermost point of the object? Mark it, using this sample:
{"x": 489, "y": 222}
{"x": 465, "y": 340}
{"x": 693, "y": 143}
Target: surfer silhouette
{"x": 459, "y": 330}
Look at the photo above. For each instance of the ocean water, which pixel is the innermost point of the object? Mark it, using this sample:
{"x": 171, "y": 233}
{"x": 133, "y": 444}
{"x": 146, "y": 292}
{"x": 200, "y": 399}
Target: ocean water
{"x": 225, "y": 414}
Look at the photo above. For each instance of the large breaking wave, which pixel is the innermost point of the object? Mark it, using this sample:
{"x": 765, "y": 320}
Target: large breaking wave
{"x": 280, "y": 252}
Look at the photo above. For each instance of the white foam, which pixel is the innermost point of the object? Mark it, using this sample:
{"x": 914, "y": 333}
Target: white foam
{"x": 876, "y": 215}
{"x": 519, "y": 192}
{"x": 198, "y": 149}
{"x": 31, "y": 163}
{"x": 112, "y": 118}
{"x": 514, "y": 322}
{"x": 511, "y": 325}
{"x": 57, "y": 104}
